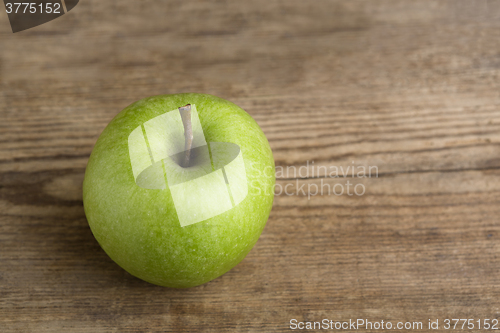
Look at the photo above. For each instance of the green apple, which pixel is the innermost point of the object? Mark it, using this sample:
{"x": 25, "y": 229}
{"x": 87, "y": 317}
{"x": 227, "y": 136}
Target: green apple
{"x": 167, "y": 222}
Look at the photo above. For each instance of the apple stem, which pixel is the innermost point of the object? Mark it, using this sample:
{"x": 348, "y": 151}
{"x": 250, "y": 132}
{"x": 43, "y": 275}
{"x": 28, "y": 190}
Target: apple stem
{"x": 185, "y": 112}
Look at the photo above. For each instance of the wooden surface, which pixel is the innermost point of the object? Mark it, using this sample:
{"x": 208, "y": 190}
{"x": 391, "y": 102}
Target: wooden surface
{"x": 412, "y": 88}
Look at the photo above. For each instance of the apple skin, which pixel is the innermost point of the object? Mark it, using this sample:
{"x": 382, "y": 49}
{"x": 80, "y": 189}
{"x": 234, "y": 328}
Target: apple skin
{"x": 139, "y": 229}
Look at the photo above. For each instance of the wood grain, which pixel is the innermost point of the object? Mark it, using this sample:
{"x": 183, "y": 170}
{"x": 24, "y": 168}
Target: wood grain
{"x": 409, "y": 87}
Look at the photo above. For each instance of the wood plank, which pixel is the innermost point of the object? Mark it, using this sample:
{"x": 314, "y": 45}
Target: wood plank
{"x": 409, "y": 88}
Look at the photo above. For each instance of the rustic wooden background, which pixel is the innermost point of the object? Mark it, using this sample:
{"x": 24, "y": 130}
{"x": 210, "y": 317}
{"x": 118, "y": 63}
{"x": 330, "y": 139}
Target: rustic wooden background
{"x": 410, "y": 87}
